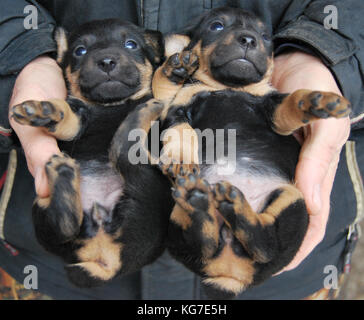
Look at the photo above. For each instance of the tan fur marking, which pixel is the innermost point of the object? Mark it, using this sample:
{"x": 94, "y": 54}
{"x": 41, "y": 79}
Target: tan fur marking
{"x": 43, "y": 202}
{"x": 180, "y": 217}
{"x": 246, "y": 210}
{"x": 101, "y": 256}
{"x": 228, "y": 271}
{"x": 62, "y": 44}
{"x": 289, "y": 196}
{"x": 211, "y": 229}
{"x": 181, "y": 145}
{"x": 175, "y": 43}
{"x": 146, "y": 73}
{"x": 69, "y": 126}
{"x": 229, "y": 39}
{"x": 241, "y": 235}
{"x": 162, "y": 87}
{"x": 294, "y": 112}
{"x": 241, "y": 207}
{"x": 74, "y": 87}
{"x": 288, "y": 117}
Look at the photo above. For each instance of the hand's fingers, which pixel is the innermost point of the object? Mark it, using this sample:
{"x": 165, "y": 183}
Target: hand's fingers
{"x": 320, "y": 152}
{"x": 41, "y": 183}
{"x": 36, "y": 165}
{"x": 41, "y": 79}
{"x": 38, "y": 148}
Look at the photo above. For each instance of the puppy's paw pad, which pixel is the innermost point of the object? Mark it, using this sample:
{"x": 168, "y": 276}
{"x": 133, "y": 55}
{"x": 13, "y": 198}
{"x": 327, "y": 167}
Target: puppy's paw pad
{"x": 181, "y": 65}
{"x": 229, "y": 199}
{"x": 324, "y": 105}
{"x": 174, "y": 169}
{"x": 37, "y": 114}
{"x": 192, "y": 192}
{"x": 61, "y": 166}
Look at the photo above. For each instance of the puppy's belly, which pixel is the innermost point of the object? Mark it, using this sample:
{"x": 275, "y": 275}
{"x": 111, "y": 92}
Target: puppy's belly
{"x": 100, "y": 184}
{"x": 255, "y": 187}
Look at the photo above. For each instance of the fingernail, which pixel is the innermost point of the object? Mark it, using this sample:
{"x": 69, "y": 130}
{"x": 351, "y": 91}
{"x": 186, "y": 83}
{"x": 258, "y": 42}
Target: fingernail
{"x": 317, "y": 196}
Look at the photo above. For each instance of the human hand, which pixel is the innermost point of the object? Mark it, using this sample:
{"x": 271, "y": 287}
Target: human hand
{"x": 41, "y": 79}
{"x": 322, "y": 142}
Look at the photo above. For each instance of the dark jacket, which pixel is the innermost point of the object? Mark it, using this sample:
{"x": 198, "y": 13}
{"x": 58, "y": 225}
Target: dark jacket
{"x": 293, "y": 22}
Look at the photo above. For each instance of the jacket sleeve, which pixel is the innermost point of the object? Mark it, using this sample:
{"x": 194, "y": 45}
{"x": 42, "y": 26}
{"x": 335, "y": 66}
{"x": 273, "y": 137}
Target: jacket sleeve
{"x": 341, "y": 46}
{"x": 19, "y": 45}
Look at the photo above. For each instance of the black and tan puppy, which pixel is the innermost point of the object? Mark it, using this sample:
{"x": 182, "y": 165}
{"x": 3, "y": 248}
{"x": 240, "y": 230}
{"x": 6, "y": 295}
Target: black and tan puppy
{"x": 235, "y": 230}
{"x": 104, "y": 216}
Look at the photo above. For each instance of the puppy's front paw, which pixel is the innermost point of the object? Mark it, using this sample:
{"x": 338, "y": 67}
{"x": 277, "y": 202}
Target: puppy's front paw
{"x": 323, "y": 105}
{"x": 180, "y": 66}
{"x": 37, "y": 114}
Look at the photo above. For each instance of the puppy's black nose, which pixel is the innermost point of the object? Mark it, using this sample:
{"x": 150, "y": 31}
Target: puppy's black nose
{"x": 249, "y": 41}
{"x": 106, "y": 64}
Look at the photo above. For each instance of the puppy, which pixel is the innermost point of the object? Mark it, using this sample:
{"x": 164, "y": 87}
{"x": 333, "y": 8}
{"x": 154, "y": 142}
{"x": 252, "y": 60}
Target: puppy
{"x": 104, "y": 216}
{"x": 234, "y": 230}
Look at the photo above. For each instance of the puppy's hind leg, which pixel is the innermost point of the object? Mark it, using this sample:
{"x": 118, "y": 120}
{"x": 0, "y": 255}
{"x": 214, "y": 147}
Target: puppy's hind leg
{"x": 271, "y": 236}
{"x": 98, "y": 254}
{"x": 193, "y": 229}
{"x": 57, "y": 218}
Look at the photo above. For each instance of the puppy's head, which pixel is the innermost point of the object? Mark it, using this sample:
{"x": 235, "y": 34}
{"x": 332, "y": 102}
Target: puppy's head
{"x": 108, "y": 61}
{"x": 234, "y": 46}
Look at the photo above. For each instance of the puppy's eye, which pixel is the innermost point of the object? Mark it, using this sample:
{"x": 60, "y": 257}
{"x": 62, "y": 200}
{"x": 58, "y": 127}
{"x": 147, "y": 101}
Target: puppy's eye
{"x": 80, "y": 51}
{"x": 131, "y": 44}
{"x": 265, "y": 37}
{"x": 216, "y": 26}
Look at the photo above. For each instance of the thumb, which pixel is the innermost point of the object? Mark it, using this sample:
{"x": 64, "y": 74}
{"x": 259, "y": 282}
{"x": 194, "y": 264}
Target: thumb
{"x": 310, "y": 175}
{"x": 38, "y": 148}
{"x": 318, "y": 161}
{"x": 41, "y": 182}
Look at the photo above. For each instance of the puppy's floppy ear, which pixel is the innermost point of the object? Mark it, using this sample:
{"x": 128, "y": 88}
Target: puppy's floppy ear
{"x": 60, "y": 35}
{"x": 154, "y": 46}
